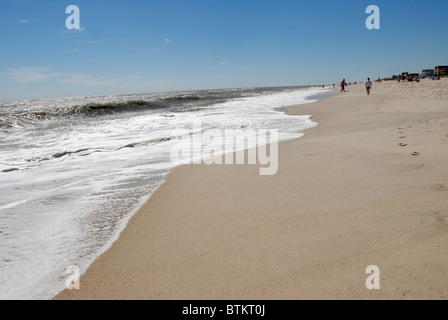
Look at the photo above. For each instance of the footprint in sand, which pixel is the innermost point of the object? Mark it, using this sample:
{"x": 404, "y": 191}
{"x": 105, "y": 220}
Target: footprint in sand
{"x": 402, "y": 144}
{"x": 440, "y": 187}
{"x": 415, "y": 153}
{"x": 402, "y": 137}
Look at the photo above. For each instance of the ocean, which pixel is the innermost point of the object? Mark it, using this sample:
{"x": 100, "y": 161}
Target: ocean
{"x": 73, "y": 171}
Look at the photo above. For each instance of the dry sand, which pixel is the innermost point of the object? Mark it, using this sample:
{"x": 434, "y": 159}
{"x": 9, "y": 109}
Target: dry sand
{"x": 346, "y": 196}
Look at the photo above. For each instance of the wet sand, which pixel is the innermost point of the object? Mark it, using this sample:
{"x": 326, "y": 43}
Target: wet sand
{"x": 367, "y": 186}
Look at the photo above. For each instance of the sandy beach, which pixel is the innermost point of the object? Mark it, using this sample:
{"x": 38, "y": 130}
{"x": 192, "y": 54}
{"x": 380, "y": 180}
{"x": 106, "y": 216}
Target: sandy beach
{"x": 367, "y": 186}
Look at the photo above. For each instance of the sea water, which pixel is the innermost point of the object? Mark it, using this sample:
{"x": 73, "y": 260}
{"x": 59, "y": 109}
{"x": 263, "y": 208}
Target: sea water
{"x": 73, "y": 171}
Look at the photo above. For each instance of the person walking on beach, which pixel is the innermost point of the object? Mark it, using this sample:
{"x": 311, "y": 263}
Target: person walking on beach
{"x": 368, "y": 86}
{"x": 343, "y": 86}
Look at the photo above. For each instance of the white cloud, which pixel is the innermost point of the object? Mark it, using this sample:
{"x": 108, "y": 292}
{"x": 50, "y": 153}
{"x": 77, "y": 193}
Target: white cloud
{"x": 33, "y": 75}
{"x": 224, "y": 62}
{"x": 28, "y": 75}
{"x": 23, "y": 21}
{"x": 167, "y": 41}
{"x": 85, "y": 79}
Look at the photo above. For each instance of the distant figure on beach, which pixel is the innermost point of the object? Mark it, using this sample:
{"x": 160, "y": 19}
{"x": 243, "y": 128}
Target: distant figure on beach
{"x": 368, "y": 86}
{"x": 343, "y": 86}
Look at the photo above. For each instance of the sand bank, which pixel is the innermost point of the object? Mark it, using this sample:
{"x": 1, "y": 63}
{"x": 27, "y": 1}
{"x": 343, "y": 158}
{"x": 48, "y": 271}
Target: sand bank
{"x": 346, "y": 195}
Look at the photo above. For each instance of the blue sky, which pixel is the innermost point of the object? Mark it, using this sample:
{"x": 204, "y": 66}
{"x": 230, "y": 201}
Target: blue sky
{"x": 145, "y": 45}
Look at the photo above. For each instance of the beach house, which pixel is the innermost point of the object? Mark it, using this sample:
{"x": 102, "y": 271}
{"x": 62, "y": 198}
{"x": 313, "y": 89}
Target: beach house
{"x": 441, "y": 71}
{"x": 426, "y": 73}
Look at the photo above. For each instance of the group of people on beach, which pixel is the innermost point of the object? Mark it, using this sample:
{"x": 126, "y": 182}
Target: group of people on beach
{"x": 368, "y": 85}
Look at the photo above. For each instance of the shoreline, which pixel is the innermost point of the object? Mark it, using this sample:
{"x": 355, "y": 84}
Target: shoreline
{"x": 303, "y": 233}
{"x": 284, "y": 109}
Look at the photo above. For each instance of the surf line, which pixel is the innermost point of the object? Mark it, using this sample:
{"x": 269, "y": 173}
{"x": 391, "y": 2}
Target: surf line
{"x": 211, "y": 146}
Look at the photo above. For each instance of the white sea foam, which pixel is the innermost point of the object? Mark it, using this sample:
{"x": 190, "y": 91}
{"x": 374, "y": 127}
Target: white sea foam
{"x": 69, "y": 186}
